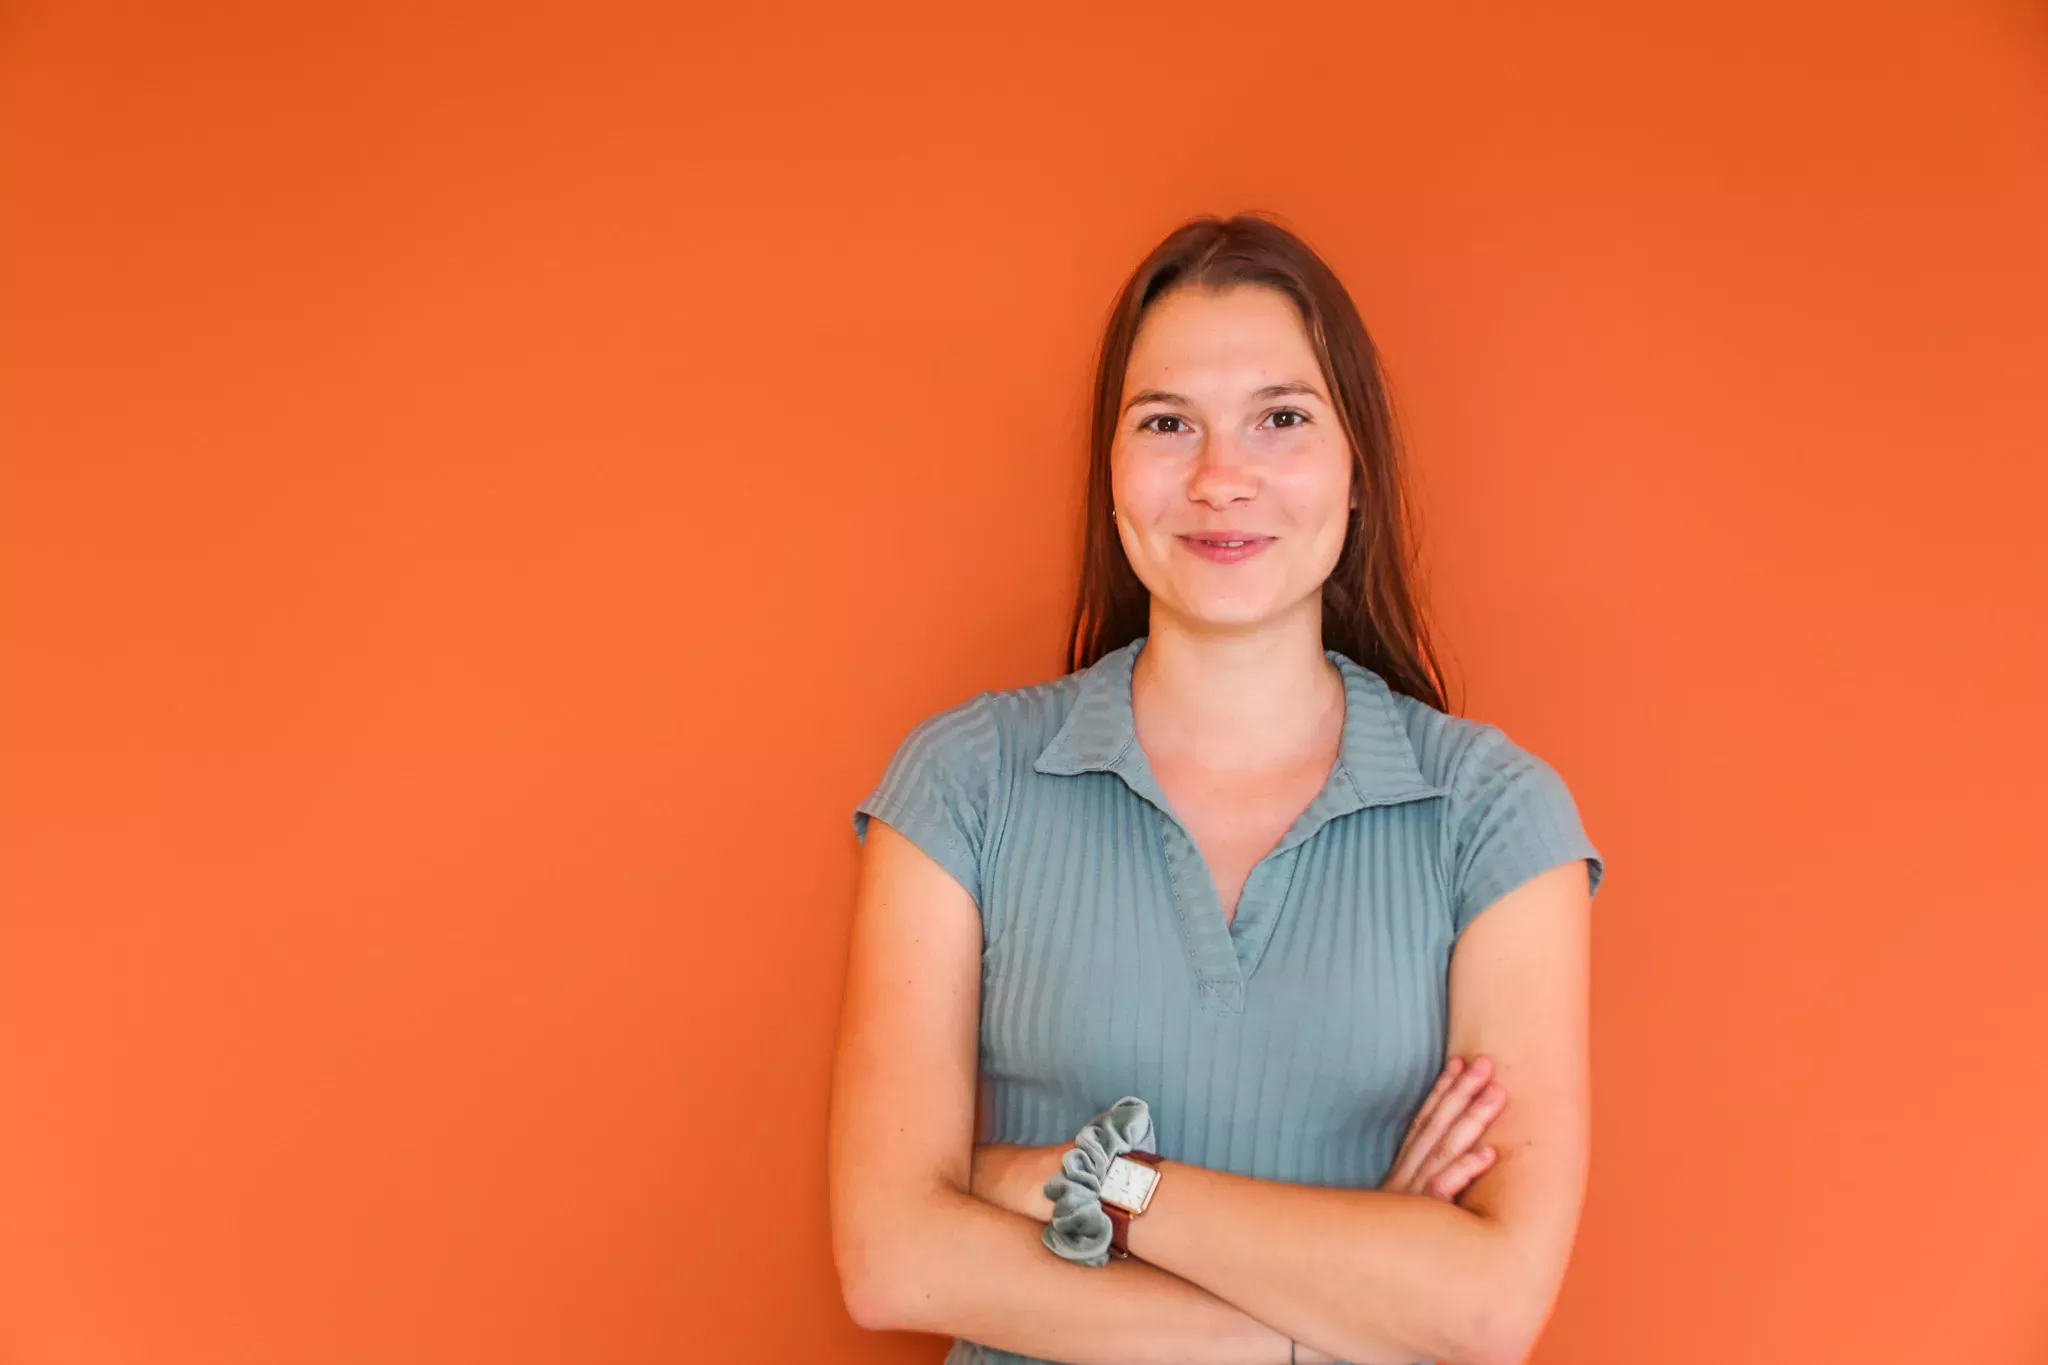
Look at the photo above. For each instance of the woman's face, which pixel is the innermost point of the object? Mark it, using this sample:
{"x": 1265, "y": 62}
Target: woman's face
{"x": 1230, "y": 475}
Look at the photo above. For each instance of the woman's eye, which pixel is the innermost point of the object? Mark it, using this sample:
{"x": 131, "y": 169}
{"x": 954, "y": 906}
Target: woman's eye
{"x": 1296, "y": 413}
{"x": 1147, "y": 424}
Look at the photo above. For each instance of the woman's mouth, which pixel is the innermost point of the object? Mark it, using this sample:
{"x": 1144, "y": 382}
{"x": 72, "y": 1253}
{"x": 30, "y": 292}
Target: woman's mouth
{"x": 1225, "y": 547}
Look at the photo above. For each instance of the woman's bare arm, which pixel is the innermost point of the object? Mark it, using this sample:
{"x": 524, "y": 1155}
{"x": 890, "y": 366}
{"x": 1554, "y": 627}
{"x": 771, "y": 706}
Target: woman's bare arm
{"x": 915, "y": 1249}
{"x": 1369, "y": 1274}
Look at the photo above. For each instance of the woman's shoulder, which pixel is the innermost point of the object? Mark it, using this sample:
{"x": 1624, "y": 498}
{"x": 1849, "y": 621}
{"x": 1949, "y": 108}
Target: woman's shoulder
{"x": 1509, "y": 812}
{"x": 943, "y": 785}
{"x": 1456, "y": 752}
{"x": 994, "y": 726}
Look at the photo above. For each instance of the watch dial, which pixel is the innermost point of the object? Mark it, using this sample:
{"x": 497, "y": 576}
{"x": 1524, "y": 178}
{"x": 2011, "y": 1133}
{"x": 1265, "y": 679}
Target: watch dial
{"x": 1128, "y": 1183}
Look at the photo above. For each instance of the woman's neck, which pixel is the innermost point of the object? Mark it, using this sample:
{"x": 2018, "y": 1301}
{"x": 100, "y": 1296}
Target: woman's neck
{"x": 1237, "y": 700}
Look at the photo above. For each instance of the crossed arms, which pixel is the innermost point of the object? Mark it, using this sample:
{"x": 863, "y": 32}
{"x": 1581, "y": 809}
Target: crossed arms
{"x": 1225, "y": 1269}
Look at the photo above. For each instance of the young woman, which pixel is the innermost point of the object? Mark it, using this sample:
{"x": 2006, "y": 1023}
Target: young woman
{"x": 1191, "y": 931}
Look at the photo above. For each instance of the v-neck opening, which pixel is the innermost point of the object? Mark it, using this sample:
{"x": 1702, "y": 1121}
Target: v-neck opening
{"x": 1224, "y": 951}
{"x": 1375, "y": 765}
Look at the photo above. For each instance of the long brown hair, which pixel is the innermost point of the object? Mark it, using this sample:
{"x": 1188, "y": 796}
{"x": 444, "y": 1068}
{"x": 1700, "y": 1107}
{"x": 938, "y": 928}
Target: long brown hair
{"x": 1371, "y": 611}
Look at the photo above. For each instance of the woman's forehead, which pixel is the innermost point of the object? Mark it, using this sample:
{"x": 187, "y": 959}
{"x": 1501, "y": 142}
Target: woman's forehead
{"x": 1233, "y": 341}
{"x": 1225, "y": 336}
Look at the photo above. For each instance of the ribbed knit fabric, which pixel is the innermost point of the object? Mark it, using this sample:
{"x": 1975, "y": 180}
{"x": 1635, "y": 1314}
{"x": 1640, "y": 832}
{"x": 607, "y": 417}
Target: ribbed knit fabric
{"x": 1293, "y": 1042}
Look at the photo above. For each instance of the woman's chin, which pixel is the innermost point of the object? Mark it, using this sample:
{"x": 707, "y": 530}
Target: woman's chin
{"x": 1227, "y": 614}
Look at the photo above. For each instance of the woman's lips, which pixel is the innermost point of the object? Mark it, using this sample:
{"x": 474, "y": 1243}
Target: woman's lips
{"x": 1225, "y": 547}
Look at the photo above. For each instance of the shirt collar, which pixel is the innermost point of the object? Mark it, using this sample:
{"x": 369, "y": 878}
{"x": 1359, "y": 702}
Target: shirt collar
{"x": 1375, "y": 761}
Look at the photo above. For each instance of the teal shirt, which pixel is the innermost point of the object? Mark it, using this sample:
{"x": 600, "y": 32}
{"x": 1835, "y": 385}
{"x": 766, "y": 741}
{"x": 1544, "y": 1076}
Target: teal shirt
{"x": 1293, "y": 1042}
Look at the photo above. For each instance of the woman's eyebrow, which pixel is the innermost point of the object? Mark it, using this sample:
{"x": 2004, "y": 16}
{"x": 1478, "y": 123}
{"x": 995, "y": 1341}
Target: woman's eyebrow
{"x": 1291, "y": 386}
{"x": 1156, "y": 396}
{"x": 1270, "y": 391}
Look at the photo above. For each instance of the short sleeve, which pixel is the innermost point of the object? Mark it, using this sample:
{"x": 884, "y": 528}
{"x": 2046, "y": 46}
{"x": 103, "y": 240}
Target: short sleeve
{"x": 936, "y": 789}
{"x": 1511, "y": 817}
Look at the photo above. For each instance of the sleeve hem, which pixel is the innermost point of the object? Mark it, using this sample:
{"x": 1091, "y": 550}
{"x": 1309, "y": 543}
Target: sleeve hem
{"x": 929, "y": 832}
{"x": 1478, "y": 899}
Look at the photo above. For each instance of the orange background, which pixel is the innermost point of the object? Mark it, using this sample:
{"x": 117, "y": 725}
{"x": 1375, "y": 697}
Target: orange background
{"x": 486, "y": 487}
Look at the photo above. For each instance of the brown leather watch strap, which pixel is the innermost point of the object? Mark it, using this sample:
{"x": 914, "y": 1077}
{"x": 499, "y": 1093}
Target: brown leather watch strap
{"x": 1119, "y": 1221}
{"x": 1119, "y": 1232}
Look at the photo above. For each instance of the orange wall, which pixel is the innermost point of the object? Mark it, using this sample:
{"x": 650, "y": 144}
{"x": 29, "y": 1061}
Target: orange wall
{"x": 486, "y": 487}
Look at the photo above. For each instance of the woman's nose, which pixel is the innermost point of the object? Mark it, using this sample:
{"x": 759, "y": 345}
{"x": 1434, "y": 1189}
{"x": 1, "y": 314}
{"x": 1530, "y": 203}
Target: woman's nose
{"x": 1222, "y": 473}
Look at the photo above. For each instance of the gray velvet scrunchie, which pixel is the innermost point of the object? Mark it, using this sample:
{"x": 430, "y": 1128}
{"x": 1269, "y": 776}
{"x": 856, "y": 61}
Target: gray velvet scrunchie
{"x": 1080, "y": 1228}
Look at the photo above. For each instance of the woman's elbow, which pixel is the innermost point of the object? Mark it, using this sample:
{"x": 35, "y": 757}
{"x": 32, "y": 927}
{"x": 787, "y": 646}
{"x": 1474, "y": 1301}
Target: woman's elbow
{"x": 1499, "y": 1342}
{"x": 883, "y": 1277}
{"x": 869, "y": 1301}
{"x": 1503, "y": 1327}
{"x": 1483, "y": 1342}
{"x": 871, "y": 1280}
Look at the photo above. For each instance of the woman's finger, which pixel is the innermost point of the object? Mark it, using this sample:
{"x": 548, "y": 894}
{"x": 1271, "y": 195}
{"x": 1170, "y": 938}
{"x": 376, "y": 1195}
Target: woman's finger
{"x": 1451, "y": 1181}
{"x": 1465, "y": 1129}
{"x": 1431, "y": 1131}
{"x": 1428, "y": 1102}
{"x": 1405, "y": 1159}
{"x": 1444, "y": 1079}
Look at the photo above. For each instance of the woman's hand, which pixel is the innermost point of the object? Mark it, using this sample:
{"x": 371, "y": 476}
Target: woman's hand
{"x": 1438, "y": 1158}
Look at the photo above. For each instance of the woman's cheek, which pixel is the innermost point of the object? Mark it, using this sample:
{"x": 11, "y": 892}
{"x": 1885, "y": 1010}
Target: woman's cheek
{"x": 1141, "y": 488}
{"x": 1315, "y": 485}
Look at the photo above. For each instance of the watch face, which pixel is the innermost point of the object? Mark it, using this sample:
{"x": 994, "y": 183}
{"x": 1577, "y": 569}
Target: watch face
{"x": 1128, "y": 1185}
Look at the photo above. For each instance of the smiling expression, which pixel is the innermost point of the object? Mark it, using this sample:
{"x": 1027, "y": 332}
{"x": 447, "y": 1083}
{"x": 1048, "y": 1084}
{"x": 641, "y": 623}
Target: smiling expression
{"x": 1230, "y": 472}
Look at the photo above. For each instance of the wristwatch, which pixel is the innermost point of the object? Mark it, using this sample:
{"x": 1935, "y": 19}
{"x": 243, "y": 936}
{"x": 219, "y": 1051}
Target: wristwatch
{"x": 1126, "y": 1190}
